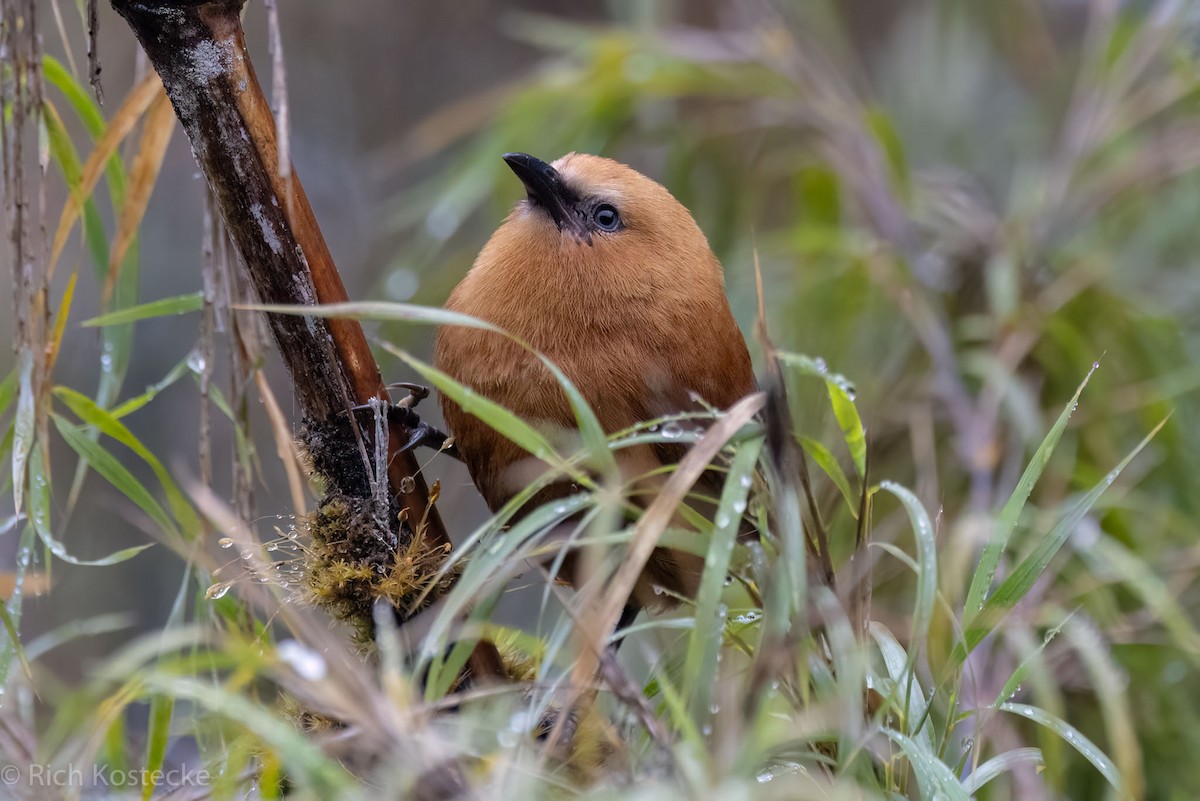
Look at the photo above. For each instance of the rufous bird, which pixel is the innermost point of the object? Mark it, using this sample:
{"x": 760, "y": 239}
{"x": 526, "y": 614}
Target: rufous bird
{"x": 603, "y": 271}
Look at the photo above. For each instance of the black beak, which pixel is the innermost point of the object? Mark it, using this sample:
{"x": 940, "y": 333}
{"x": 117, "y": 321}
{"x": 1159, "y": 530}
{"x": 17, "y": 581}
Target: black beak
{"x": 546, "y": 190}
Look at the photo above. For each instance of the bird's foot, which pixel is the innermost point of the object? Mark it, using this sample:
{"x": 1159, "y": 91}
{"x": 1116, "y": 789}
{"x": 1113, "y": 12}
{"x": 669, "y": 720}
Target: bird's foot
{"x": 402, "y": 412}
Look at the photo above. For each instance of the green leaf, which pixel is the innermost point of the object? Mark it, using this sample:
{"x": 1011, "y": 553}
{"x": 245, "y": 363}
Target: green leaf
{"x": 86, "y": 410}
{"x": 14, "y": 637}
{"x": 116, "y": 342}
{"x": 852, "y": 428}
{"x": 481, "y": 569}
{"x": 1021, "y": 580}
{"x": 489, "y": 412}
{"x": 934, "y": 776}
{"x": 12, "y": 644}
{"x": 989, "y": 560}
{"x": 1014, "y": 681}
{"x": 1072, "y": 736}
{"x": 62, "y": 149}
{"x": 594, "y": 440}
{"x": 162, "y": 708}
{"x": 841, "y": 398}
{"x": 829, "y": 465}
{"x": 384, "y": 312}
{"x": 704, "y": 644}
{"x": 116, "y": 474}
{"x": 39, "y": 512}
{"x": 90, "y": 115}
{"x": 997, "y": 765}
{"x": 76, "y": 628}
{"x": 677, "y": 711}
{"x": 926, "y": 565}
{"x": 138, "y": 401}
{"x": 905, "y": 683}
{"x": 302, "y": 756}
{"x": 179, "y": 304}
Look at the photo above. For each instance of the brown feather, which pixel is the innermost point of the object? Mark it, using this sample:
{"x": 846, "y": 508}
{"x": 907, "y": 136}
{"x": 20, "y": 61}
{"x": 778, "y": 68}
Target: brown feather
{"x": 636, "y": 318}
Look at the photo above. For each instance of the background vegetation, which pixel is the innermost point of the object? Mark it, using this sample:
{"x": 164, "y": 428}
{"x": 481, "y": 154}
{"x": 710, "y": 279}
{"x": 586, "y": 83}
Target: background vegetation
{"x": 958, "y": 210}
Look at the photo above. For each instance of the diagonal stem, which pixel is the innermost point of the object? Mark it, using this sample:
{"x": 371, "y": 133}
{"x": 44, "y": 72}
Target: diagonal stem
{"x": 198, "y": 49}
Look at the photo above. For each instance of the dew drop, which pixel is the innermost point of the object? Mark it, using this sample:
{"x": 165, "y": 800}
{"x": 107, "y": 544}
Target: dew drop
{"x": 196, "y": 362}
{"x": 225, "y": 542}
{"x": 407, "y": 484}
{"x": 217, "y": 591}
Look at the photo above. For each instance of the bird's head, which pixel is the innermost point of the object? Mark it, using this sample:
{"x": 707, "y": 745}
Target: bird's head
{"x": 600, "y": 216}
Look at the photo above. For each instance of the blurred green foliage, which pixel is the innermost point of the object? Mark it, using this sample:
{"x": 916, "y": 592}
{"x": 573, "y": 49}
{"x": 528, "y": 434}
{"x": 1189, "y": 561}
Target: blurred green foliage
{"x": 960, "y": 205}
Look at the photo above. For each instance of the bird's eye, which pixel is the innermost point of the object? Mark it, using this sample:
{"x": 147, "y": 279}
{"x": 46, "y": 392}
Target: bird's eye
{"x": 606, "y": 218}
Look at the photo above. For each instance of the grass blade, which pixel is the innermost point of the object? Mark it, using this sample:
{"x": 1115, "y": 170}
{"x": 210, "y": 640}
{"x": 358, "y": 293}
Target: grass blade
{"x": 829, "y": 464}
{"x": 592, "y": 433}
{"x": 119, "y": 476}
{"x": 1021, "y": 580}
{"x": 378, "y": 310}
{"x": 700, "y": 664}
{"x": 989, "y": 560}
{"x": 87, "y": 411}
{"x": 933, "y": 775}
{"x": 489, "y": 412}
{"x": 1072, "y": 736}
{"x": 926, "y": 565}
{"x": 897, "y": 663}
{"x": 62, "y": 149}
{"x": 852, "y": 428}
{"x": 999, "y": 764}
{"x": 118, "y": 128}
{"x": 93, "y": 120}
{"x": 180, "y": 304}
{"x": 841, "y": 398}
{"x": 39, "y": 512}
